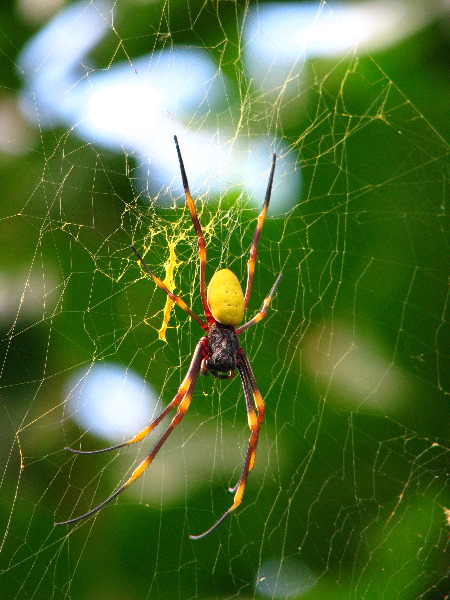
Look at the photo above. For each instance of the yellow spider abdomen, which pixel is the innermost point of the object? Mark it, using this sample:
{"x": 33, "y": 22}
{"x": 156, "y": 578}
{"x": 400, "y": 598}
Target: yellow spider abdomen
{"x": 225, "y": 298}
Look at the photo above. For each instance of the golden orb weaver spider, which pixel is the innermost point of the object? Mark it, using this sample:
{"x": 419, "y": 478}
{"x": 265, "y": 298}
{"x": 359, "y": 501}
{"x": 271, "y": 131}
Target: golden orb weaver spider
{"x": 218, "y": 352}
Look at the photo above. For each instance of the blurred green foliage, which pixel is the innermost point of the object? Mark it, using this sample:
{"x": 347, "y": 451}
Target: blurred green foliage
{"x": 355, "y": 482}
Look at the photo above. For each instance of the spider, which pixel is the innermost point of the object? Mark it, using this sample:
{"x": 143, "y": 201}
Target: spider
{"x": 218, "y": 352}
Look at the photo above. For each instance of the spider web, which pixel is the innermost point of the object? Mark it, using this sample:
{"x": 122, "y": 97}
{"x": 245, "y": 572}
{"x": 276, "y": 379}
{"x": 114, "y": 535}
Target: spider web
{"x": 348, "y": 497}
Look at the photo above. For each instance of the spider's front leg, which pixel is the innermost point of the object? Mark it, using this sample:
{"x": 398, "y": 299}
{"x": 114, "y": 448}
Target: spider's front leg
{"x": 181, "y": 400}
{"x": 253, "y": 399}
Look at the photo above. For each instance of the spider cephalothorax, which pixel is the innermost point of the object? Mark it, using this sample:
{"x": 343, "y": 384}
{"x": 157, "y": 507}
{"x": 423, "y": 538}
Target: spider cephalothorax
{"x": 223, "y": 348}
{"x": 218, "y": 351}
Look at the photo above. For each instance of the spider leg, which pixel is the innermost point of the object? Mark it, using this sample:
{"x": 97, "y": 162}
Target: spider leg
{"x": 142, "y": 434}
{"x": 265, "y": 305}
{"x": 259, "y": 225}
{"x": 249, "y": 401}
{"x": 181, "y": 303}
{"x": 182, "y": 391}
{"x": 255, "y": 418}
{"x": 198, "y": 230}
{"x": 187, "y": 386}
{"x": 256, "y": 396}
